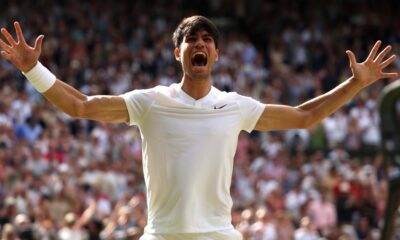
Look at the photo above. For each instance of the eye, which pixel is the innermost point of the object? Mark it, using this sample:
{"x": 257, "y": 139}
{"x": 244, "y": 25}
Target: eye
{"x": 208, "y": 39}
{"x": 190, "y": 39}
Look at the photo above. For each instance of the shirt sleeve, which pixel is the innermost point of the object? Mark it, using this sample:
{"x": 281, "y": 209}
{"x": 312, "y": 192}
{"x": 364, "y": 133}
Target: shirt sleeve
{"x": 251, "y": 111}
{"x": 138, "y": 103}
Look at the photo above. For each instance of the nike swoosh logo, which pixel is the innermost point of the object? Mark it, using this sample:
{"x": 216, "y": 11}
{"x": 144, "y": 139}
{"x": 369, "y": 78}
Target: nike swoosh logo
{"x": 215, "y": 107}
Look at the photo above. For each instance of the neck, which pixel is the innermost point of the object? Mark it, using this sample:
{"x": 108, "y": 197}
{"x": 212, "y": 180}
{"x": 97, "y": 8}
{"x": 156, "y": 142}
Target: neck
{"x": 196, "y": 88}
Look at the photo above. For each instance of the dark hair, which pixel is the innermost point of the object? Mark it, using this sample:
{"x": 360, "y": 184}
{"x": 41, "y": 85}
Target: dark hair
{"x": 193, "y": 24}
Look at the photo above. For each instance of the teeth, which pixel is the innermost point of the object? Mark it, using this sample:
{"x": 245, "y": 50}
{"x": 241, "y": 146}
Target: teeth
{"x": 198, "y": 53}
{"x": 199, "y": 59}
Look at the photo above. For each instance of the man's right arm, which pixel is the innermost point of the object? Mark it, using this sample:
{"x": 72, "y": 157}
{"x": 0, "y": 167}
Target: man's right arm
{"x": 65, "y": 97}
{"x": 100, "y": 107}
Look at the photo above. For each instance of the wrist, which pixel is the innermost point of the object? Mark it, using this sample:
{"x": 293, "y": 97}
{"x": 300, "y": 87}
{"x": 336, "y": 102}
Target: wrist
{"x": 40, "y": 77}
{"x": 28, "y": 68}
{"x": 356, "y": 82}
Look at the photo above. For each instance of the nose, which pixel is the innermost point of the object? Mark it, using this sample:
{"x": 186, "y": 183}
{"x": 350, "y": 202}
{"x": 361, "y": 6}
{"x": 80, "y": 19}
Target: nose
{"x": 199, "y": 43}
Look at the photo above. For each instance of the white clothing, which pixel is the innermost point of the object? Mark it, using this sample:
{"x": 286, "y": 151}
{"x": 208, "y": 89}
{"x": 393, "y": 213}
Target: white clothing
{"x": 270, "y": 232}
{"x": 303, "y": 234}
{"x": 66, "y": 233}
{"x": 294, "y": 200}
{"x": 188, "y": 147}
{"x": 230, "y": 234}
{"x": 336, "y": 128}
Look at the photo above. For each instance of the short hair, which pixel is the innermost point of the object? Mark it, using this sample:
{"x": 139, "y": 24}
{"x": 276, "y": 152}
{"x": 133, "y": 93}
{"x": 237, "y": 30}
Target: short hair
{"x": 193, "y": 24}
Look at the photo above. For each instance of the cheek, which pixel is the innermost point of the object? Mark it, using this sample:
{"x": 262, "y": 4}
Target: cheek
{"x": 185, "y": 60}
{"x": 213, "y": 58}
{"x": 214, "y": 54}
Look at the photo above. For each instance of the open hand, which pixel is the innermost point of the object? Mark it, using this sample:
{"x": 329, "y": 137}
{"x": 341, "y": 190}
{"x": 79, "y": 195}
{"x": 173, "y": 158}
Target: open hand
{"x": 19, "y": 53}
{"x": 371, "y": 69}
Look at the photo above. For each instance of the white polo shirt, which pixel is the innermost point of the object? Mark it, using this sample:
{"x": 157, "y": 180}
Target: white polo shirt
{"x": 188, "y": 148}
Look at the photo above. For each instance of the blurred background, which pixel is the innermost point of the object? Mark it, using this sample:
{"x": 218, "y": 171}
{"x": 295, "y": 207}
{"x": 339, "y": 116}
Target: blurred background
{"x": 62, "y": 178}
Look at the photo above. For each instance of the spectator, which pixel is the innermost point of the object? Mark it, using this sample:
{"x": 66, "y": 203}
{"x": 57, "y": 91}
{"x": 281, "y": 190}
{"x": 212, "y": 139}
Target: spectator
{"x": 322, "y": 214}
{"x": 69, "y": 231}
{"x": 306, "y": 231}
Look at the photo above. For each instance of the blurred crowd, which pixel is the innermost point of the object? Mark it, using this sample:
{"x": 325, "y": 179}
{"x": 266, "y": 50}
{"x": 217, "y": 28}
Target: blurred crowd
{"x": 62, "y": 178}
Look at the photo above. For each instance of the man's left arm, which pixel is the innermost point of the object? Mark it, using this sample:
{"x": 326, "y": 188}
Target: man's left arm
{"x": 282, "y": 117}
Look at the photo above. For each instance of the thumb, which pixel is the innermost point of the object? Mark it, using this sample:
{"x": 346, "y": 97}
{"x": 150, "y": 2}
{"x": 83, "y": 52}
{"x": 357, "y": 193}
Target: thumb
{"x": 38, "y": 44}
{"x": 352, "y": 57}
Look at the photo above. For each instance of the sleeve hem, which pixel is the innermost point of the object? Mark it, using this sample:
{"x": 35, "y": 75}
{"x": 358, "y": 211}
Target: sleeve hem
{"x": 130, "y": 113}
{"x": 257, "y": 116}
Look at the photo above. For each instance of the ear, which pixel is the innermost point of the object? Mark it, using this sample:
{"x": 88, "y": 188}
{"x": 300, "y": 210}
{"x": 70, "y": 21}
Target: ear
{"x": 216, "y": 59}
{"x": 177, "y": 53}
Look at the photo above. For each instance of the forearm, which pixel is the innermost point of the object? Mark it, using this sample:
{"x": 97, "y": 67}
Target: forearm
{"x": 60, "y": 94}
{"x": 324, "y": 105}
{"x": 74, "y": 103}
{"x": 65, "y": 97}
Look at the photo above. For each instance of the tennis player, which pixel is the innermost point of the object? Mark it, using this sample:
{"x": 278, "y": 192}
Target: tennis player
{"x": 190, "y": 129}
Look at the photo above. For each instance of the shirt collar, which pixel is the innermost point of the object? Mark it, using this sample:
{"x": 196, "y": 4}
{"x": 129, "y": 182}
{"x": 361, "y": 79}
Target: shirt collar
{"x": 205, "y": 101}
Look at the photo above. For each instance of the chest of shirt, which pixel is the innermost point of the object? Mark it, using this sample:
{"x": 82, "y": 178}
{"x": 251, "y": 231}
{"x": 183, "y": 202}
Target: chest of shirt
{"x": 188, "y": 124}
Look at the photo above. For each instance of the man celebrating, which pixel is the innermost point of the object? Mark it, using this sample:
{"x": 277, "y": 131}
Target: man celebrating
{"x": 190, "y": 130}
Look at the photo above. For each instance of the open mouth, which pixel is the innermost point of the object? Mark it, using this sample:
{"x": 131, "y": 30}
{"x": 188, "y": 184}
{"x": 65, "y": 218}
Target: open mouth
{"x": 199, "y": 59}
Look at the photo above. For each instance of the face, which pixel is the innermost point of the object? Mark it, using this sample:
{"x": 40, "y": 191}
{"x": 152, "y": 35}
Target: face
{"x": 197, "y": 55}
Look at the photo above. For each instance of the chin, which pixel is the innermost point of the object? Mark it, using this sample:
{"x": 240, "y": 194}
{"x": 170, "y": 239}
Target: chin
{"x": 199, "y": 75}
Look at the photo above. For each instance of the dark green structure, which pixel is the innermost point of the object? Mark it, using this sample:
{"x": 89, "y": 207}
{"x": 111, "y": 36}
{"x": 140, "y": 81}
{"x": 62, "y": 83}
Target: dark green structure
{"x": 390, "y": 131}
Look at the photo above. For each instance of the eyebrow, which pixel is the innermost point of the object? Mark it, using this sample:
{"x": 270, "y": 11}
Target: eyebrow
{"x": 195, "y": 35}
{"x": 207, "y": 35}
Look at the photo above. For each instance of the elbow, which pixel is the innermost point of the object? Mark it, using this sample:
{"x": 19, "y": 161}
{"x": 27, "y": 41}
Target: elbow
{"x": 303, "y": 124}
{"x": 77, "y": 110}
{"x": 311, "y": 121}
{"x": 307, "y": 120}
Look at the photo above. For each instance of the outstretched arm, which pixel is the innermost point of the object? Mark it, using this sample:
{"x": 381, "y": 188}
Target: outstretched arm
{"x": 65, "y": 97}
{"x": 281, "y": 117}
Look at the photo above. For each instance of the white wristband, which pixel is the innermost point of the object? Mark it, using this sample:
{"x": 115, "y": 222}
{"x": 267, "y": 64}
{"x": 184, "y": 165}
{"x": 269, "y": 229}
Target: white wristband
{"x": 40, "y": 77}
